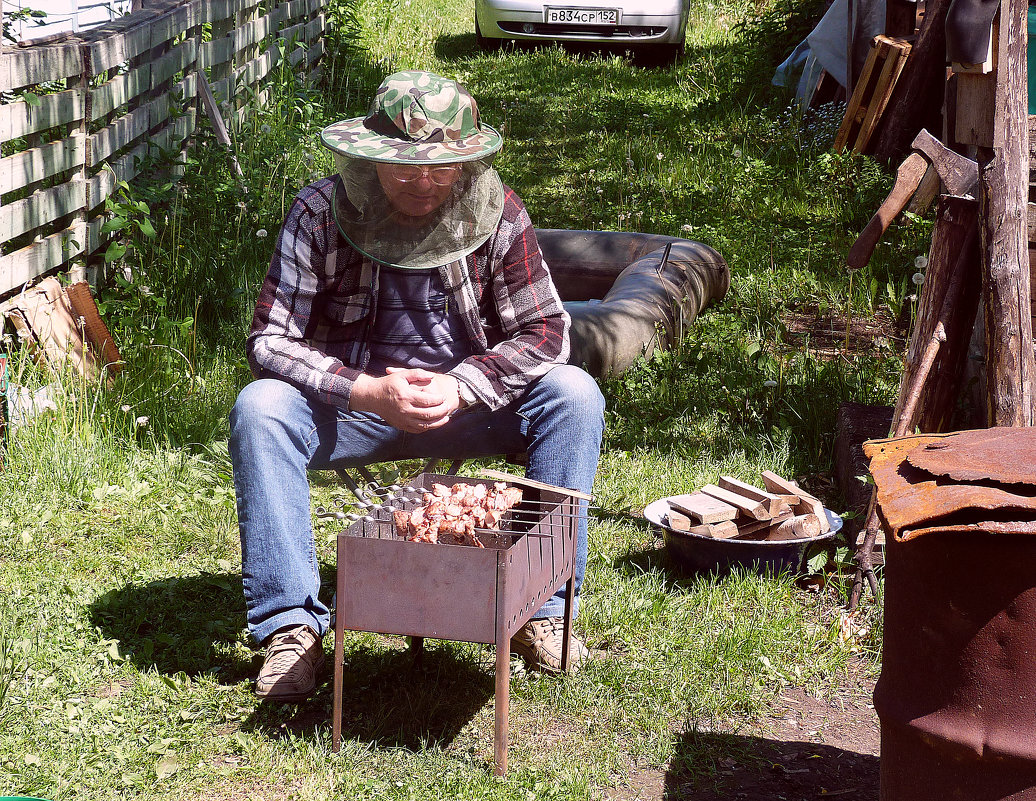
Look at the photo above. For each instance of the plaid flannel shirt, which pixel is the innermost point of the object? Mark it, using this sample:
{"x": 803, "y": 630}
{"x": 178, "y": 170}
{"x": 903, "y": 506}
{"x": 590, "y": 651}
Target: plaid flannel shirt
{"x": 312, "y": 317}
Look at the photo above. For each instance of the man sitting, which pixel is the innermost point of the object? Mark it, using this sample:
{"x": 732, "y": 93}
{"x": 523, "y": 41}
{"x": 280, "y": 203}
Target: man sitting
{"x": 407, "y": 313}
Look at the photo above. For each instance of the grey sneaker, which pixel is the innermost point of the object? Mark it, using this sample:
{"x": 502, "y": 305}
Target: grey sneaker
{"x": 539, "y": 642}
{"x": 294, "y": 656}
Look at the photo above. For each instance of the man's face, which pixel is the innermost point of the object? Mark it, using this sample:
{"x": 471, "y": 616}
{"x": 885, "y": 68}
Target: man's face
{"x": 417, "y": 191}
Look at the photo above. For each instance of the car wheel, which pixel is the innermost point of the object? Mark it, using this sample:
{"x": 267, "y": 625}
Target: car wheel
{"x": 485, "y": 43}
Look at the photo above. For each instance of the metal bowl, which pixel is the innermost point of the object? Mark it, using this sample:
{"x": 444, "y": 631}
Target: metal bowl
{"x": 701, "y": 554}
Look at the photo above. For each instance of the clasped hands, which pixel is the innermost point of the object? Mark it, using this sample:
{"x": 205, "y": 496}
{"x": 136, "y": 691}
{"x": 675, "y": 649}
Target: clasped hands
{"x": 412, "y": 400}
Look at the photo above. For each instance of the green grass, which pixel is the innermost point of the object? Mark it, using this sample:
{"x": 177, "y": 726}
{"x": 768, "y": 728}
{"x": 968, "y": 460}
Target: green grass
{"x": 124, "y": 665}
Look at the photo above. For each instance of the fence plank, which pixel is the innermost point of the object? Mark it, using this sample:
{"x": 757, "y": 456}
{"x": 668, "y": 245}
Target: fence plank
{"x": 218, "y": 51}
{"x": 40, "y": 208}
{"x": 173, "y": 62}
{"x": 258, "y": 68}
{"x": 19, "y": 119}
{"x": 41, "y": 257}
{"x": 31, "y": 166}
{"x": 119, "y": 91}
{"x": 118, "y": 48}
{"x": 255, "y": 31}
{"x": 40, "y": 64}
{"x": 119, "y": 133}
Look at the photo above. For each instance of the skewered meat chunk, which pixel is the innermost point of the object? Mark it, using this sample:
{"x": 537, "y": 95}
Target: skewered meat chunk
{"x": 451, "y": 515}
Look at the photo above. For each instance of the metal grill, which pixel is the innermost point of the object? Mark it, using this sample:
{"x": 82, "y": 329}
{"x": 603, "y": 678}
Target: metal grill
{"x": 389, "y": 584}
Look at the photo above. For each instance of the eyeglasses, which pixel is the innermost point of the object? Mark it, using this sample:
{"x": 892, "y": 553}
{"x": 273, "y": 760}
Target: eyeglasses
{"x": 440, "y": 176}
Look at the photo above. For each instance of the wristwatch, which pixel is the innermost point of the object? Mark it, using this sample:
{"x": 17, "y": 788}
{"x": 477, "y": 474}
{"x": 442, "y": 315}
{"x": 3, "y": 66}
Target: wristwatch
{"x": 467, "y": 397}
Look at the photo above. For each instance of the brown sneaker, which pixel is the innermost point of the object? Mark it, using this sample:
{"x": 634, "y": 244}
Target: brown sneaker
{"x": 539, "y": 643}
{"x": 293, "y": 659}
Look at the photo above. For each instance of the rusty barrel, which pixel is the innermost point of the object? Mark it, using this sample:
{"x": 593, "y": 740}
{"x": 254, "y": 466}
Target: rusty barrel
{"x": 957, "y": 694}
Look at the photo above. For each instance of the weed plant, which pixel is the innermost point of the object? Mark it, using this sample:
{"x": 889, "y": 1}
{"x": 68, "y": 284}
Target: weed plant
{"x": 124, "y": 664}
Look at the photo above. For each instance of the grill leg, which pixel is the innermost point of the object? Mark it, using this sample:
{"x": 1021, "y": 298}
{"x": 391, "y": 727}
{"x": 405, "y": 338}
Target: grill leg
{"x": 339, "y": 628}
{"x": 417, "y": 650}
{"x": 501, "y": 704}
{"x": 566, "y": 632}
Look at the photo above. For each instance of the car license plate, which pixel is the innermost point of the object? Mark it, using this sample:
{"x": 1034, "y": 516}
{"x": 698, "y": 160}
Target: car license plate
{"x": 582, "y": 16}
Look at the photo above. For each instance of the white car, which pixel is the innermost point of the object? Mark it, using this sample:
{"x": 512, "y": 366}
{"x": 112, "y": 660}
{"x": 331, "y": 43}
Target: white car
{"x": 658, "y": 25}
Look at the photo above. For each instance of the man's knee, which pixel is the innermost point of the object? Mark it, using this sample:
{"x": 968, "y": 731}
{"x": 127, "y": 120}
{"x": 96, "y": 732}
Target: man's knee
{"x": 578, "y": 389}
{"x": 261, "y": 404}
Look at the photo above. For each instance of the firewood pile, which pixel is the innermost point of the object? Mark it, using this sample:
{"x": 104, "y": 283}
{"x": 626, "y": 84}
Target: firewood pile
{"x": 734, "y": 509}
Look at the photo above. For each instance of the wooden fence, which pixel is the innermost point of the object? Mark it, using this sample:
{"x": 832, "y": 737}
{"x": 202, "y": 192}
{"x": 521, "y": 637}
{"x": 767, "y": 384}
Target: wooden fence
{"x": 79, "y": 115}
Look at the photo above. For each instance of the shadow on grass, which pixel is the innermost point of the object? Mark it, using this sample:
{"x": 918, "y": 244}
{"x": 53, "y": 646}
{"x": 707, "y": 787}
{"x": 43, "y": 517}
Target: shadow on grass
{"x": 727, "y": 767}
{"x": 390, "y": 699}
{"x": 182, "y": 624}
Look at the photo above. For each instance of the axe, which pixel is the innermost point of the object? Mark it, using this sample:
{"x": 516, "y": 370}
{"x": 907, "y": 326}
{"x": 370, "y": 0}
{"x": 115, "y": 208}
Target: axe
{"x": 958, "y": 174}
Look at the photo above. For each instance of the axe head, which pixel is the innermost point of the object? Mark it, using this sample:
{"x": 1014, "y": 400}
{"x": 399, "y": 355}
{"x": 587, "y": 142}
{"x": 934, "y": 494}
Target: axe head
{"x": 958, "y": 173}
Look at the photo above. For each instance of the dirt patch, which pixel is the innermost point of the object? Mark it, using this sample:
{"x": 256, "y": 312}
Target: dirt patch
{"x": 809, "y": 749}
{"x": 828, "y": 333}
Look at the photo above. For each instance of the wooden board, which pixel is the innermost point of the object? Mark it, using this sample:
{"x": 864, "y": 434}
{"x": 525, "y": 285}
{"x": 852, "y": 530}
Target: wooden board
{"x": 745, "y": 506}
{"x": 771, "y": 501}
{"x": 20, "y": 119}
{"x": 39, "y": 208}
{"x": 39, "y": 258}
{"x": 528, "y": 482}
{"x": 31, "y": 166}
{"x": 40, "y": 64}
{"x": 703, "y": 508}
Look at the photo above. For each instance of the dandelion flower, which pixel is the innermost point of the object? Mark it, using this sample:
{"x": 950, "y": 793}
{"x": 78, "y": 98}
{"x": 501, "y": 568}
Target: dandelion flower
{"x": 921, "y": 262}
{"x": 261, "y": 233}
{"x": 769, "y": 383}
{"x": 629, "y": 163}
{"x": 143, "y": 421}
{"x": 659, "y": 156}
{"x": 917, "y": 278}
{"x": 687, "y": 227}
{"x": 125, "y": 407}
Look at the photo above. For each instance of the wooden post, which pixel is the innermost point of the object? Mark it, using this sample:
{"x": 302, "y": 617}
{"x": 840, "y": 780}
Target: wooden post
{"x": 1003, "y": 194}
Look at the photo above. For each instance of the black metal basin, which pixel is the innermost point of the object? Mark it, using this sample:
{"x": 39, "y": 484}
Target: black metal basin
{"x": 701, "y": 554}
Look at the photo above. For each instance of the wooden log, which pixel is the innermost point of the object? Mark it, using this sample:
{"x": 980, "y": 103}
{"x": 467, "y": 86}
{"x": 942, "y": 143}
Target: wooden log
{"x": 745, "y": 506}
{"x": 703, "y": 508}
{"x": 916, "y": 102}
{"x": 771, "y": 501}
{"x": 804, "y": 526}
{"x": 954, "y": 252}
{"x": 1003, "y": 179}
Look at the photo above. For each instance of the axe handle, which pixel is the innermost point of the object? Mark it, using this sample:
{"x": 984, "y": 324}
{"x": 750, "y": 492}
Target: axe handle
{"x": 908, "y": 177}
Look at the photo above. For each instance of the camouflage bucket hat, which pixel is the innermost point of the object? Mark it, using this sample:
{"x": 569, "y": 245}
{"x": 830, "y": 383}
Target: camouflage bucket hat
{"x": 418, "y": 118}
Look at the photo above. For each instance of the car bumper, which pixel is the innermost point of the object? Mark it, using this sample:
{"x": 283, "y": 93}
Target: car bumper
{"x": 519, "y": 20}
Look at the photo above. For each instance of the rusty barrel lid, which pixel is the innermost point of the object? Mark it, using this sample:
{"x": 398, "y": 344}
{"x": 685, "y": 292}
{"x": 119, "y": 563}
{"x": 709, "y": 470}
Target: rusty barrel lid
{"x": 980, "y": 480}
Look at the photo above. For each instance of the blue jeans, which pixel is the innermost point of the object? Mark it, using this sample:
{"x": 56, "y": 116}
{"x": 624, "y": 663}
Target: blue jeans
{"x": 277, "y": 434}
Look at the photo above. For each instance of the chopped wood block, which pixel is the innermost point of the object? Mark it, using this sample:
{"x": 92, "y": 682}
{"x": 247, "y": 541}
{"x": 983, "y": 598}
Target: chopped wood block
{"x": 723, "y": 530}
{"x": 771, "y": 501}
{"x": 798, "y": 527}
{"x": 703, "y": 508}
{"x": 745, "y": 506}
{"x": 807, "y": 504}
{"x": 677, "y": 521}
